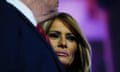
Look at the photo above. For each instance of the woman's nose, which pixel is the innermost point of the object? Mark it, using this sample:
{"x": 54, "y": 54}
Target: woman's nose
{"x": 62, "y": 42}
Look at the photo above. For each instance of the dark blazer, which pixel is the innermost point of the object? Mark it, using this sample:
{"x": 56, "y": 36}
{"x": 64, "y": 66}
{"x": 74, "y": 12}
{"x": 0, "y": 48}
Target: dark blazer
{"x": 22, "y": 47}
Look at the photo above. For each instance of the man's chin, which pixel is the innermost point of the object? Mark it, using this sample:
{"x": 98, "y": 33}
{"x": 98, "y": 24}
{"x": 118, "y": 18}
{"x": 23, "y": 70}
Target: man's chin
{"x": 44, "y": 17}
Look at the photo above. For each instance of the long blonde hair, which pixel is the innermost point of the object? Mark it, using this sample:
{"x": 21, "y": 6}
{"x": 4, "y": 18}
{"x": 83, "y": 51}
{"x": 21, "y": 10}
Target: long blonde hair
{"x": 82, "y": 62}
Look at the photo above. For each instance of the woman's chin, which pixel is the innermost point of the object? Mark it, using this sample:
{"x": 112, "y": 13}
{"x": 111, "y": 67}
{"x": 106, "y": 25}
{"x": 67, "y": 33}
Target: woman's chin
{"x": 65, "y": 61}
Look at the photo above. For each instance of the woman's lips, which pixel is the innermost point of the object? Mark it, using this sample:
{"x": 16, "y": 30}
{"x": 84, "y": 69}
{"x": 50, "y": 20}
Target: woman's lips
{"x": 63, "y": 54}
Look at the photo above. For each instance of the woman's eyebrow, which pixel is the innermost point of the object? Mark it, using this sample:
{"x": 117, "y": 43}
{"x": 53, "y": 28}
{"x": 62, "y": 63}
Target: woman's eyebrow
{"x": 70, "y": 34}
{"x": 54, "y": 31}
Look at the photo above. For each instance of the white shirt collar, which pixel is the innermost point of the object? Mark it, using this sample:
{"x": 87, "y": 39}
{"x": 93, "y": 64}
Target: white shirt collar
{"x": 24, "y": 10}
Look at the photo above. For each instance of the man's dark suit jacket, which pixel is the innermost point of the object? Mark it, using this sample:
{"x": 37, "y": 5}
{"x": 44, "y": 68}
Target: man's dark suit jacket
{"x": 22, "y": 47}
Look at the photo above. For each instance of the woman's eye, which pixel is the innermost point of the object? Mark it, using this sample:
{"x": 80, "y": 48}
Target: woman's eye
{"x": 71, "y": 38}
{"x": 53, "y": 35}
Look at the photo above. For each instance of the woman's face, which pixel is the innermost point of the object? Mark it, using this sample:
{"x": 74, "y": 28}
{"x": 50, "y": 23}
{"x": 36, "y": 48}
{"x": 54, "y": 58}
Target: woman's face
{"x": 63, "y": 42}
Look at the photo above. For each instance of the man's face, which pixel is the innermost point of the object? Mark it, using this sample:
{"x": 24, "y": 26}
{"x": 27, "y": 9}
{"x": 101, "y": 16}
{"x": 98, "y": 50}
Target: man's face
{"x": 44, "y": 9}
{"x": 52, "y": 3}
{"x": 47, "y": 6}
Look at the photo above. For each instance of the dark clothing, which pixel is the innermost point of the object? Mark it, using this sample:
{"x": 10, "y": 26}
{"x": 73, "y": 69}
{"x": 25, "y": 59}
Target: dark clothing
{"x": 22, "y": 47}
